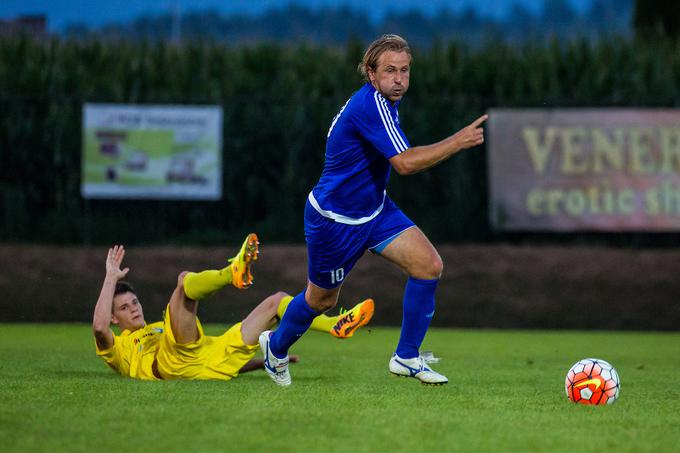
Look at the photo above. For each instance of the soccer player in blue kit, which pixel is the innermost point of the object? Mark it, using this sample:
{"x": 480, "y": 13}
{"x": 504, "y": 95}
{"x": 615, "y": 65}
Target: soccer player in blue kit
{"x": 349, "y": 212}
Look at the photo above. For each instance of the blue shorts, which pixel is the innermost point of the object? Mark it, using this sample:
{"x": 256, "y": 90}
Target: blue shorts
{"x": 333, "y": 248}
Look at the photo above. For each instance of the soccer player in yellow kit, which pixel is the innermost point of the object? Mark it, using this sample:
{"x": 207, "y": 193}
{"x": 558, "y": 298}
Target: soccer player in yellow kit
{"x": 177, "y": 348}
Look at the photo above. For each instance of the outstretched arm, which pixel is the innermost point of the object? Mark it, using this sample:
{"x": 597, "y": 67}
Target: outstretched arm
{"x": 101, "y": 323}
{"x": 419, "y": 158}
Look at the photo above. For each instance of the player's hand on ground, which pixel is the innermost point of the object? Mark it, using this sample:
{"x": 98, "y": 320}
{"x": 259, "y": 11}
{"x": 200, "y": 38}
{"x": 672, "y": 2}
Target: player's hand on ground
{"x": 473, "y": 134}
{"x": 113, "y": 262}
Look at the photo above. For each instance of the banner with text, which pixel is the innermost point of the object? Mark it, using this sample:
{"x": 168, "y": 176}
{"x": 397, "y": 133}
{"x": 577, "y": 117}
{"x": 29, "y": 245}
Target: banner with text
{"x": 584, "y": 169}
{"x": 152, "y": 152}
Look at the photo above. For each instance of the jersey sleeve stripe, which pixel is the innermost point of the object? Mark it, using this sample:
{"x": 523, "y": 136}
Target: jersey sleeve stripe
{"x": 391, "y": 123}
{"x": 381, "y": 112}
{"x": 398, "y": 146}
{"x": 337, "y": 117}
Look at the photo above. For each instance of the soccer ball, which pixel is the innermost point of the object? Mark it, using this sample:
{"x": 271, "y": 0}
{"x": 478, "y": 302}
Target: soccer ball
{"x": 592, "y": 381}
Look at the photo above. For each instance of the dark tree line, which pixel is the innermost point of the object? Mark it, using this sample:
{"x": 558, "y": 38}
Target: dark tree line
{"x": 653, "y": 18}
{"x": 278, "y": 101}
{"x": 338, "y": 25}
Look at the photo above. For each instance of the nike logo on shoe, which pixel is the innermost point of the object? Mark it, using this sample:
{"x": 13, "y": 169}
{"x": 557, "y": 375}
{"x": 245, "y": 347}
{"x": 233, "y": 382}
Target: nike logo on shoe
{"x": 351, "y": 320}
{"x": 345, "y": 319}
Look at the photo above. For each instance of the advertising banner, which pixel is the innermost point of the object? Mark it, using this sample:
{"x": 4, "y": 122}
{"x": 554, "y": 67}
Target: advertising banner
{"x": 584, "y": 170}
{"x": 152, "y": 152}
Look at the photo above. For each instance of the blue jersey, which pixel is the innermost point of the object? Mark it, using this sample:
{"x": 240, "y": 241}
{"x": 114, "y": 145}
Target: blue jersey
{"x": 361, "y": 139}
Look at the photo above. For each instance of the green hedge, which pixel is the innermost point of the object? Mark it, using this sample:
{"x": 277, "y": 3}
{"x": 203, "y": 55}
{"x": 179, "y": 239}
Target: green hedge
{"x": 278, "y": 103}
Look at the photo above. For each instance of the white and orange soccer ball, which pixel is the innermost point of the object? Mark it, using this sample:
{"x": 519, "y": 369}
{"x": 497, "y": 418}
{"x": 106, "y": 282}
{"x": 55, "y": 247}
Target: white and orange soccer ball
{"x": 592, "y": 381}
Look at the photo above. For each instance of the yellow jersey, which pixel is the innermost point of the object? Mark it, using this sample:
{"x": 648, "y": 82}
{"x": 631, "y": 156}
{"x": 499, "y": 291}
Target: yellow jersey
{"x": 151, "y": 353}
{"x": 133, "y": 354}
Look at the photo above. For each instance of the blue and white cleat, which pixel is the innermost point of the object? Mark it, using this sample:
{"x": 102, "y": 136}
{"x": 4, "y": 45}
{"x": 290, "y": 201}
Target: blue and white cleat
{"x": 276, "y": 368}
{"x": 416, "y": 368}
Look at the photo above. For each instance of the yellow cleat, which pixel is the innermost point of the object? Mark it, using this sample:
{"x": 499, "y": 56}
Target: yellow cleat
{"x": 351, "y": 320}
{"x": 242, "y": 262}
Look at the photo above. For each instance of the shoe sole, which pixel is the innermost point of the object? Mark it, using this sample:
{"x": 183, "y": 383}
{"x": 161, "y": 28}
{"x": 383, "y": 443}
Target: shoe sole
{"x": 365, "y": 316}
{"x": 429, "y": 384}
{"x": 249, "y": 253}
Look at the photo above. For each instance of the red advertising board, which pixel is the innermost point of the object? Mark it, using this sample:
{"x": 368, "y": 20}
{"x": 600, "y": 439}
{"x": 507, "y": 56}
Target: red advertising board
{"x": 584, "y": 169}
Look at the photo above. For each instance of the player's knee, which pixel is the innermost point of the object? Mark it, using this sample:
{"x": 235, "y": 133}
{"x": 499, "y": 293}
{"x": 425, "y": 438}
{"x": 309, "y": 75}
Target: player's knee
{"x": 324, "y": 303}
{"x": 438, "y": 266}
{"x": 275, "y": 299}
{"x": 280, "y": 295}
{"x": 433, "y": 269}
{"x": 328, "y": 304}
{"x": 180, "y": 279}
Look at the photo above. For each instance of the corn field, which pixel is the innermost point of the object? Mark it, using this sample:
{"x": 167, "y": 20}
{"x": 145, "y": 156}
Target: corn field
{"x": 278, "y": 102}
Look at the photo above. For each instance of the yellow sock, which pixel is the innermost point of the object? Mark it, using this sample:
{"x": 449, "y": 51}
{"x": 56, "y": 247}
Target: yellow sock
{"x": 283, "y": 304}
{"x": 198, "y": 286}
{"x": 321, "y": 323}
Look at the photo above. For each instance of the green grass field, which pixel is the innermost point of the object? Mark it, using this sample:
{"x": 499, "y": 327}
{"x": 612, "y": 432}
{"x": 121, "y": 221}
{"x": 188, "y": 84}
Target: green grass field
{"x": 506, "y": 393}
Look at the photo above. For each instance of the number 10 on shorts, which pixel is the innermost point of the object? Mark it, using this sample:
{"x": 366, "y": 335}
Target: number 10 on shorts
{"x": 337, "y": 275}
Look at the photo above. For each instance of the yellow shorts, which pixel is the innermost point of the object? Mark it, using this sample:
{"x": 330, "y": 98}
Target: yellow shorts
{"x": 207, "y": 358}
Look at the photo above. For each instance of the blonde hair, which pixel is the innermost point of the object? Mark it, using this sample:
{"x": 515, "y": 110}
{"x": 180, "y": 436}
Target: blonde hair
{"x": 381, "y": 45}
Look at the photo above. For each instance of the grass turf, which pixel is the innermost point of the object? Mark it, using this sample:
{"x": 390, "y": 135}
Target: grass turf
{"x": 506, "y": 393}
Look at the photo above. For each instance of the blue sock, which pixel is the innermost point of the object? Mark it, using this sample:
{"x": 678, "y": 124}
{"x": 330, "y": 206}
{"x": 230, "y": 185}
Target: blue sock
{"x": 418, "y": 312}
{"x": 295, "y": 322}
